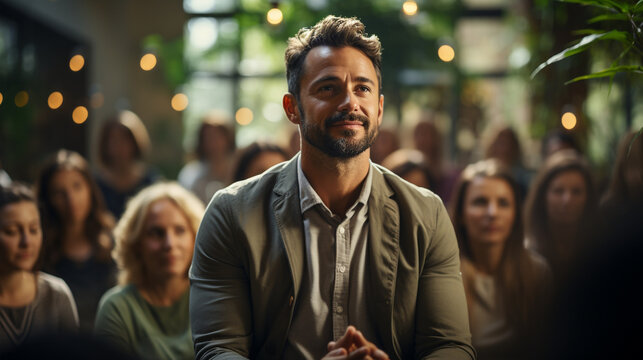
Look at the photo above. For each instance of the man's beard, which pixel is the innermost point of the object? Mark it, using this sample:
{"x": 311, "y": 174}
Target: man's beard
{"x": 343, "y": 147}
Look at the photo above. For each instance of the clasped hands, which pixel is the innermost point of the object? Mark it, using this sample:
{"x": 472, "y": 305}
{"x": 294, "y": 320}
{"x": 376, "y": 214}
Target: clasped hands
{"x": 353, "y": 345}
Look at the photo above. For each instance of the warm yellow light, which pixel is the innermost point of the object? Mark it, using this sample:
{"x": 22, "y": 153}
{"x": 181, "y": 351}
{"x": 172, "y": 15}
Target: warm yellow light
{"x": 55, "y": 100}
{"x": 21, "y": 99}
{"x": 76, "y": 63}
{"x": 410, "y": 8}
{"x": 0, "y": 98}
{"x": 446, "y": 53}
{"x": 148, "y": 62}
{"x": 568, "y": 120}
{"x": 274, "y": 16}
{"x": 179, "y": 102}
{"x": 80, "y": 114}
{"x": 243, "y": 116}
{"x": 97, "y": 100}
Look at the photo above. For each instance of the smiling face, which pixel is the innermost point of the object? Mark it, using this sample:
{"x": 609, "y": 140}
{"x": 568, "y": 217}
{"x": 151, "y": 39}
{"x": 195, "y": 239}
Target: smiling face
{"x": 167, "y": 241}
{"x": 70, "y": 195}
{"x": 340, "y": 108}
{"x": 566, "y": 198}
{"x": 20, "y": 236}
{"x": 488, "y": 211}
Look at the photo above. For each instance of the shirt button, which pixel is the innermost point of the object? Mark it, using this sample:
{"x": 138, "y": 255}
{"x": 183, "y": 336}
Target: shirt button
{"x": 339, "y": 309}
{"x": 342, "y": 268}
{"x": 341, "y": 230}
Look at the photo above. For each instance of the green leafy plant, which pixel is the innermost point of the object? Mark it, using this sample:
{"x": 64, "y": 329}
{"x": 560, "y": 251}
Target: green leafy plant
{"x": 625, "y": 21}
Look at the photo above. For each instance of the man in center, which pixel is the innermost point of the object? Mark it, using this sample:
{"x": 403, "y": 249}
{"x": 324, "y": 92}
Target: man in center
{"x": 328, "y": 255}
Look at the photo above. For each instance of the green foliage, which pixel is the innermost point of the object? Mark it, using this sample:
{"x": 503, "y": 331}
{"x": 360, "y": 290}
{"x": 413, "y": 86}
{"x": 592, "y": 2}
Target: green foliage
{"x": 624, "y": 22}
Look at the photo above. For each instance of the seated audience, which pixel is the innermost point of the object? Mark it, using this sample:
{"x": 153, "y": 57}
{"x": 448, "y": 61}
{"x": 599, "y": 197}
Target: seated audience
{"x": 212, "y": 168}
{"x": 385, "y": 144}
{"x": 32, "y": 303}
{"x": 428, "y": 139}
{"x": 506, "y": 148}
{"x": 147, "y": 314}
{"x": 556, "y": 140}
{"x": 506, "y": 285}
{"x": 257, "y": 158}
{"x": 122, "y": 144}
{"x": 77, "y": 231}
{"x": 559, "y": 207}
{"x": 410, "y": 165}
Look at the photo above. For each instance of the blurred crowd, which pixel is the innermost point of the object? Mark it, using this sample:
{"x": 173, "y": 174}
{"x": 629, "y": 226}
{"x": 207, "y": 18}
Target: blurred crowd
{"x": 105, "y": 248}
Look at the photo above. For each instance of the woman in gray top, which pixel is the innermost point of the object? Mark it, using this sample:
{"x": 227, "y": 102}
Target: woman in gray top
{"x": 32, "y": 303}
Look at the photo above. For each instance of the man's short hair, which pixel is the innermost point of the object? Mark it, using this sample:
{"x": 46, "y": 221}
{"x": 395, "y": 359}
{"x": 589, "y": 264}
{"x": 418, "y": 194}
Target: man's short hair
{"x": 331, "y": 31}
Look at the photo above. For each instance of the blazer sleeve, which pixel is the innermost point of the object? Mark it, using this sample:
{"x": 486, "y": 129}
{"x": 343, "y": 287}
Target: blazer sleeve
{"x": 442, "y": 321}
{"x": 220, "y": 308}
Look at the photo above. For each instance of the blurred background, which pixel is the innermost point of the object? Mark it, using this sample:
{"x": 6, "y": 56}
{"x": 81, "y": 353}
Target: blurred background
{"x": 465, "y": 65}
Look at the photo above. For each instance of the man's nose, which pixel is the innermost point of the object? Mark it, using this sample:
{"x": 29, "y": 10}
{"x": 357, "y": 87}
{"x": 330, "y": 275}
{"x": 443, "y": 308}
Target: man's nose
{"x": 349, "y": 102}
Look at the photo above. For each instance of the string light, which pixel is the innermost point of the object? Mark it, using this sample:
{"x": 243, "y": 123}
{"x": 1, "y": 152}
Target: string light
{"x": 148, "y": 62}
{"x": 446, "y": 53}
{"x": 21, "y": 99}
{"x": 568, "y": 120}
{"x": 243, "y": 116}
{"x": 179, "y": 102}
{"x": 274, "y": 15}
{"x": 55, "y": 100}
{"x": 410, "y": 8}
{"x": 80, "y": 114}
{"x": 76, "y": 62}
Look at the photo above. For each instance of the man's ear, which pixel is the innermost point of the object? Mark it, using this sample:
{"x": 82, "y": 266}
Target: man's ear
{"x": 380, "y": 110}
{"x": 291, "y": 108}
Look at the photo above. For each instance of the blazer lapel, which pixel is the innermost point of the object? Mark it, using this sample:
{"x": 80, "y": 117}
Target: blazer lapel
{"x": 383, "y": 252}
{"x": 289, "y": 220}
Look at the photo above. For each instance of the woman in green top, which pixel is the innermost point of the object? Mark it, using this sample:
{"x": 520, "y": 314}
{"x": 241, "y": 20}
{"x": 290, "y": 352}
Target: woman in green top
{"x": 147, "y": 314}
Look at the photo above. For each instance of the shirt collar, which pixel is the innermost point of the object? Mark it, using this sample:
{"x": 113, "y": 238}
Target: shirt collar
{"x": 308, "y": 198}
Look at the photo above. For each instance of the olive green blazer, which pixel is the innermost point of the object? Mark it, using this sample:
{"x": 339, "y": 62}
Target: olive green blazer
{"x": 249, "y": 262}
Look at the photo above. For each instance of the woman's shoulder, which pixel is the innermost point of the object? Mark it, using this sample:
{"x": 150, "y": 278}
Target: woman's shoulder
{"x": 119, "y": 294}
{"x": 49, "y": 285}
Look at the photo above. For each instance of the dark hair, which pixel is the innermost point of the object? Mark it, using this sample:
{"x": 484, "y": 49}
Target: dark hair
{"x": 134, "y": 127}
{"x": 250, "y": 153}
{"x": 99, "y": 222}
{"x": 560, "y": 136}
{"x": 536, "y": 217}
{"x": 215, "y": 120}
{"x": 517, "y": 275}
{"x": 335, "y": 32}
{"x": 515, "y": 157}
{"x": 15, "y": 193}
{"x": 626, "y": 185}
{"x": 403, "y": 161}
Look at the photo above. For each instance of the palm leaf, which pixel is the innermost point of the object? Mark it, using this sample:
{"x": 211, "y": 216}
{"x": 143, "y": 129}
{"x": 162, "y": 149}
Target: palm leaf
{"x": 609, "y": 72}
{"x": 604, "y": 4}
{"x": 607, "y": 17}
{"x": 582, "y": 45}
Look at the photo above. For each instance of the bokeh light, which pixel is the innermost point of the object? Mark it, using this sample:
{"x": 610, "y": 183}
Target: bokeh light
{"x": 446, "y": 53}
{"x": 274, "y": 16}
{"x": 568, "y": 120}
{"x": 77, "y": 62}
{"x": 55, "y": 100}
{"x": 179, "y": 102}
{"x": 80, "y": 114}
{"x": 243, "y": 116}
{"x": 148, "y": 62}
{"x": 1, "y": 98}
{"x": 410, "y": 8}
{"x": 21, "y": 99}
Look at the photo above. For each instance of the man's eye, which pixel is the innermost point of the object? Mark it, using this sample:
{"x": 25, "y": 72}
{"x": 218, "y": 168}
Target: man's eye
{"x": 325, "y": 88}
{"x": 364, "y": 88}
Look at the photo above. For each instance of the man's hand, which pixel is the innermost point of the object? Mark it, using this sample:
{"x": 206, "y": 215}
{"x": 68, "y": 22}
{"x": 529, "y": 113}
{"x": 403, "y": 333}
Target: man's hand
{"x": 353, "y": 345}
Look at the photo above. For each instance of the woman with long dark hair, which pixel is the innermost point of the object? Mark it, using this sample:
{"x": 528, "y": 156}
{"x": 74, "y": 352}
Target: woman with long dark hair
{"x": 77, "y": 231}
{"x": 506, "y": 285}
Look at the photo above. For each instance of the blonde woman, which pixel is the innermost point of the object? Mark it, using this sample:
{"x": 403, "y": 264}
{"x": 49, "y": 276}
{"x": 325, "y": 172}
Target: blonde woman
{"x": 147, "y": 314}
